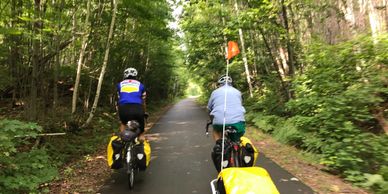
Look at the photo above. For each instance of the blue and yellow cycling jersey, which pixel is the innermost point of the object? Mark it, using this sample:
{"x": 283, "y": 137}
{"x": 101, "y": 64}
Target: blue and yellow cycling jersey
{"x": 130, "y": 92}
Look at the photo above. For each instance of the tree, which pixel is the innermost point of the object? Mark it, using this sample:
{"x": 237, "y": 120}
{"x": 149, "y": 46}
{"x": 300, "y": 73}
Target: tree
{"x": 104, "y": 64}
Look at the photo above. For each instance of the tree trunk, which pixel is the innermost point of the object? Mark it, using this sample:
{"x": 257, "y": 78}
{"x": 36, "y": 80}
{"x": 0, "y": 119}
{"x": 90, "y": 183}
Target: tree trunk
{"x": 252, "y": 37}
{"x": 87, "y": 96}
{"x": 36, "y": 47}
{"x": 14, "y": 63}
{"x": 105, "y": 62}
{"x": 73, "y": 29}
{"x": 244, "y": 55}
{"x": 81, "y": 57}
{"x": 275, "y": 63}
{"x": 57, "y": 58}
{"x": 376, "y": 15}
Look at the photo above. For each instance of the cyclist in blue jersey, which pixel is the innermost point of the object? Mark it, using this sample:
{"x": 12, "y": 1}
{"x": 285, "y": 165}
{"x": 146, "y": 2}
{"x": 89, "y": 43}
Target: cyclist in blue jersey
{"x": 131, "y": 104}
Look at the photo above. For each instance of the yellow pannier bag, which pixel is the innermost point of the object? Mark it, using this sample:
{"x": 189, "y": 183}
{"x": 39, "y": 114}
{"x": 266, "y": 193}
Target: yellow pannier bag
{"x": 147, "y": 151}
{"x": 143, "y": 154}
{"x": 248, "y": 149}
{"x": 114, "y": 149}
{"x": 246, "y": 180}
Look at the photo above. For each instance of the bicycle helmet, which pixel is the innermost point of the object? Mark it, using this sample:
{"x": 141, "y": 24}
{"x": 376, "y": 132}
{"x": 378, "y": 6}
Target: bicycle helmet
{"x": 225, "y": 79}
{"x": 130, "y": 72}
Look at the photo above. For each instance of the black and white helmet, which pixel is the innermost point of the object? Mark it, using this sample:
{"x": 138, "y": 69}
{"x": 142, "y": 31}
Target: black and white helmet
{"x": 130, "y": 72}
{"x": 225, "y": 79}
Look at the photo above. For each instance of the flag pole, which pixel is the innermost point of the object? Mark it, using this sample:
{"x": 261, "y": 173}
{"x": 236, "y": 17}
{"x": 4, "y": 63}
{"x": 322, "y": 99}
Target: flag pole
{"x": 227, "y": 74}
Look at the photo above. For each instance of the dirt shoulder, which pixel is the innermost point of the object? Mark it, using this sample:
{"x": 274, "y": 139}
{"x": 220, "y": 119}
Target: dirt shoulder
{"x": 301, "y": 165}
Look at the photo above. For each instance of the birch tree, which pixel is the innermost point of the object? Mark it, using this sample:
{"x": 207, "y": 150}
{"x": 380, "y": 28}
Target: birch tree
{"x": 243, "y": 52}
{"x": 81, "y": 59}
{"x": 104, "y": 64}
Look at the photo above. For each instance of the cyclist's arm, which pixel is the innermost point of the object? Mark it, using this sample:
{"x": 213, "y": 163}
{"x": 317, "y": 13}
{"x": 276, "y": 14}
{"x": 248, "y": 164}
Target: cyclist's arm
{"x": 209, "y": 108}
{"x": 117, "y": 103}
{"x": 144, "y": 96}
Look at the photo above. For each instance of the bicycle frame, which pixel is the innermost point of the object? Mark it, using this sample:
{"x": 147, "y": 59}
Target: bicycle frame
{"x": 130, "y": 138}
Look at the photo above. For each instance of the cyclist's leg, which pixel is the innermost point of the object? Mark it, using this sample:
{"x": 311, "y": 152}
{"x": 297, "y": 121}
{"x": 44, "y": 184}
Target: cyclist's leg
{"x": 217, "y": 132}
{"x": 137, "y": 114}
{"x": 124, "y": 115}
{"x": 141, "y": 122}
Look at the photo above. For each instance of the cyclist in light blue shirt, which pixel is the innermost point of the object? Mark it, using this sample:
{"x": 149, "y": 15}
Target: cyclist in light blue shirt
{"x": 234, "y": 114}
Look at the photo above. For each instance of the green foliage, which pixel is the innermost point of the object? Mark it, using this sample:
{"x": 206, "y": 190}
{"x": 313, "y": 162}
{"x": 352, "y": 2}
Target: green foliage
{"x": 24, "y": 168}
{"x": 329, "y": 104}
{"x": 193, "y": 89}
{"x": 283, "y": 130}
{"x": 267, "y": 123}
{"x": 289, "y": 134}
{"x": 333, "y": 111}
{"x": 378, "y": 182}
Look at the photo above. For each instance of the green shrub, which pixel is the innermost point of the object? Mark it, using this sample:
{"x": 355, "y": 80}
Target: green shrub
{"x": 287, "y": 133}
{"x": 333, "y": 109}
{"x": 23, "y": 167}
{"x": 267, "y": 123}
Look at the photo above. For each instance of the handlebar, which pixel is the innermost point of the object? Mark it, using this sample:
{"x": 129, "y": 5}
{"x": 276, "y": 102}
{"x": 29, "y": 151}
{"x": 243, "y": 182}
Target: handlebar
{"x": 228, "y": 129}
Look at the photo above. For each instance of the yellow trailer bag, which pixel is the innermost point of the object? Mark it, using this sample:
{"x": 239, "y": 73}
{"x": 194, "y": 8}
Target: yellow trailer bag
{"x": 114, "y": 152}
{"x": 249, "y": 153}
{"x": 246, "y": 180}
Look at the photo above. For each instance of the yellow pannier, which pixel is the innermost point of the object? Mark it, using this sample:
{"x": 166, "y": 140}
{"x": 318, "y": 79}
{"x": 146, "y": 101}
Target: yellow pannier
{"x": 248, "y": 150}
{"x": 147, "y": 151}
{"x": 114, "y": 149}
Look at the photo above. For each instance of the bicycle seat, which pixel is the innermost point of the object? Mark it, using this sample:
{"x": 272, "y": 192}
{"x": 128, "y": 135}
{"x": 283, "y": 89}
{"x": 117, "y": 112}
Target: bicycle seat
{"x": 133, "y": 125}
{"x": 230, "y": 129}
{"x": 129, "y": 134}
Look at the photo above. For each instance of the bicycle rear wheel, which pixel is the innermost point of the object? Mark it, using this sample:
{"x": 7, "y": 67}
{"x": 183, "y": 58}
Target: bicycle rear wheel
{"x": 235, "y": 156}
{"x": 131, "y": 177}
{"x": 130, "y": 167}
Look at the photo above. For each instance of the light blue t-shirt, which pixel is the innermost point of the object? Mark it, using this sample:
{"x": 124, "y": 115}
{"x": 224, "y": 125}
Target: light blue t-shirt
{"x": 234, "y": 108}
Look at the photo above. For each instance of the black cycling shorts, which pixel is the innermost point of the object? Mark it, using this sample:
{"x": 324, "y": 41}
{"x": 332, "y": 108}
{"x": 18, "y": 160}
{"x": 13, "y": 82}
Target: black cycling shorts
{"x": 129, "y": 112}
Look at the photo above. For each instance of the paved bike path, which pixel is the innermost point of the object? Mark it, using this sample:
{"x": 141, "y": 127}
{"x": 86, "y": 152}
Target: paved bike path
{"x": 181, "y": 162}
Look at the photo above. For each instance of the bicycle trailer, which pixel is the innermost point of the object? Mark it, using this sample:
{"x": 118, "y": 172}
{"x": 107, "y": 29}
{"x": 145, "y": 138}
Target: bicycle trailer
{"x": 247, "y": 180}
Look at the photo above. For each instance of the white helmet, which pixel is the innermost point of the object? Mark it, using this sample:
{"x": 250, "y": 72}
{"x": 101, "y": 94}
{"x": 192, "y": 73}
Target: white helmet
{"x": 130, "y": 72}
{"x": 224, "y": 78}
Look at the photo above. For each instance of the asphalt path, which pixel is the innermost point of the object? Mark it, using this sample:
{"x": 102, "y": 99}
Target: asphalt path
{"x": 181, "y": 162}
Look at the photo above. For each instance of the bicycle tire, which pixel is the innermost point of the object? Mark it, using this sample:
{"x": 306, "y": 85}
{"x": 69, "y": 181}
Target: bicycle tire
{"x": 131, "y": 178}
{"x": 130, "y": 168}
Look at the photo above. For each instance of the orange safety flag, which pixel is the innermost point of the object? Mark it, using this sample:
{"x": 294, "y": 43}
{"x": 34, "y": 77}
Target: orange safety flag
{"x": 232, "y": 49}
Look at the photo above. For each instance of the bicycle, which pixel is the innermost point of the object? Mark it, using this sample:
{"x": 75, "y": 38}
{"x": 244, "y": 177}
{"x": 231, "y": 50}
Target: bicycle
{"x": 233, "y": 156}
{"x": 129, "y": 139}
{"x": 230, "y": 147}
